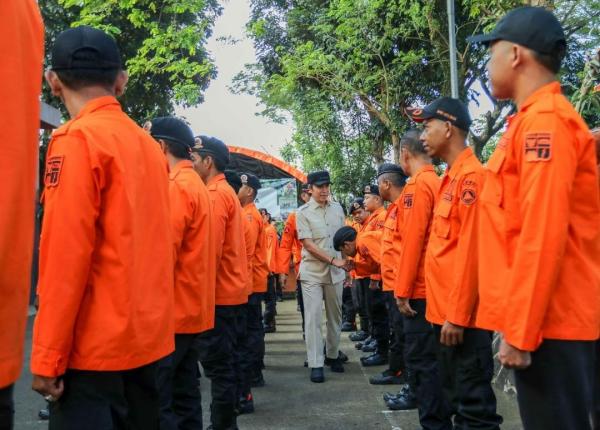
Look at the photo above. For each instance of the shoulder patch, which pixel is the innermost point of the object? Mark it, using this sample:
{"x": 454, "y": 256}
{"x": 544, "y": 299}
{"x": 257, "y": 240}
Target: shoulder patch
{"x": 538, "y": 146}
{"x": 53, "y": 168}
{"x": 408, "y": 201}
{"x": 468, "y": 196}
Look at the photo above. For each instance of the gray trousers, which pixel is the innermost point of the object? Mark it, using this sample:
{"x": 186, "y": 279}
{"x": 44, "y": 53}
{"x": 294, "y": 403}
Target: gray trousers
{"x": 313, "y": 294}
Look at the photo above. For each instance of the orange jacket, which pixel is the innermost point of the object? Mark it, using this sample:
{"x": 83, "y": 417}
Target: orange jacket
{"x": 451, "y": 258}
{"x": 272, "y": 247}
{"x": 418, "y": 201}
{"x": 357, "y": 258}
{"x": 230, "y": 245}
{"x": 376, "y": 222}
{"x": 258, "y": 248}
{"x": 368, "y": 246}
{"x": 541, "y": 221}
{"x": 22, "y": 47}
{"x": 195, "y": 263}
{"x": 289, "y": 246}
{"x": 390, "y": 244}
{"x": 106, "y": 253}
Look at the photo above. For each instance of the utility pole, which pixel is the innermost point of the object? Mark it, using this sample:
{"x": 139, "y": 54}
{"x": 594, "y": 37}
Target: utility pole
{"x": 452, "y": 43}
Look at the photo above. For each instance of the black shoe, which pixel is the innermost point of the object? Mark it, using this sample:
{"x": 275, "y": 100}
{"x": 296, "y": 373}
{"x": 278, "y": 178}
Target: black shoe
{"x": 404, "y": 390}
{"x": 246, "y": 405}
{"x": 270, "y": 329}
{"x": 369, "y": 347}
{"x": 336, "y": 365}
{"x": 358, "y": 336}
{"x": 305, "y": 363}
{"x": 348, "y": 326}
{"x": 44, "y": 414}
{"x": 404, "y": 402}
{"x": 317, "y": 375}
{"x": 388, "y": 378}
{"x": 258, "y": 380}
{"x": 374, "y": 360}
{"x": 342, "y": 357}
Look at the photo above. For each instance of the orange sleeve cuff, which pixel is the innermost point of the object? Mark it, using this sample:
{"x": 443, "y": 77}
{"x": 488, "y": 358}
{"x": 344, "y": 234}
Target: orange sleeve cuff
{"x": 48, "y": 362}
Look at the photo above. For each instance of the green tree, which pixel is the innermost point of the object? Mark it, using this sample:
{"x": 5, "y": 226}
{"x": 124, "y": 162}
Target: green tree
{"x": 162, "y": 43}
{"x": 321, "y": 63}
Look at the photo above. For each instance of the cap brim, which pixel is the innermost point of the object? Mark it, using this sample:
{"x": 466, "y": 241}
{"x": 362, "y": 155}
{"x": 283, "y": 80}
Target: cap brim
{"x": 417, "y": 114}
{"x": 484, "y": 39}
{"x": 319, "y": 183}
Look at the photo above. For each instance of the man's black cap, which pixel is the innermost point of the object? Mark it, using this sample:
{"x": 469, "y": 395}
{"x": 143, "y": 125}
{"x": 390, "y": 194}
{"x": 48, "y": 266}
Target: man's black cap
{"x": 356, "y": 204}
{"x": 205, "y": 145}
{"x": 319, "y": 178}
{"x": 390, "y": 168}
{"x": 85, "y": 48}
{"x": 371, "y": 189}
{"x": 174, "y": 130}
{"x": 233, "y": 179}
{"x": 250, "y": 180}
{"x": 344, "y": 234}
{"x": 445, "y": 109}
{"x": 533, "y": 27}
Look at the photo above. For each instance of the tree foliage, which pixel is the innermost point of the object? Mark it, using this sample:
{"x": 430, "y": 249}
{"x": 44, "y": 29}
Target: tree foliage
{"x": 344, "y": 70}
{"x": 162, "y": 43}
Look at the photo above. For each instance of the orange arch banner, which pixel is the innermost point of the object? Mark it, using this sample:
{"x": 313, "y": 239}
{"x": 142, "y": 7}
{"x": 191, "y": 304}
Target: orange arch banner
{"x": 276, "y": 162}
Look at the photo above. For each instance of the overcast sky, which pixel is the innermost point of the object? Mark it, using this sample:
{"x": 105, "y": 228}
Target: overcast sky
{"x": 232, "y": 117}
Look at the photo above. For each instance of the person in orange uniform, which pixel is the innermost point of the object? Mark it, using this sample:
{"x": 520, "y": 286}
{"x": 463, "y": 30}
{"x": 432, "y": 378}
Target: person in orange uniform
{"x": 377, "y": 297}
{"x": 254, "y": 344}
{"x": 541, "y": 223}
{"x": 290, "y": 246}
{"x": 360, "y": 288}
{"x": 465, "y": 352}
{"x": 195, "y": 267}
{"x": 390, "y": 181}
{"x": 416, "y": 213}
{"x": 218, "y": 347}
{"x": 22, "y": 48}
{"x": 106, "y": 259}
{"x": 366, "y": 246}
{"x": 349, "y": 304}
{"x": 271, "y": 294}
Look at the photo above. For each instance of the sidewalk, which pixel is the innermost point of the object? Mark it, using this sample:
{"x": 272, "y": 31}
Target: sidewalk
{"x": 290, "y": 401}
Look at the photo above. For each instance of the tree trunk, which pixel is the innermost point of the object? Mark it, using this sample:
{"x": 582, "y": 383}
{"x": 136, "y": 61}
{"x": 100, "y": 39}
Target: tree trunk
{"x": 396, "y": 146}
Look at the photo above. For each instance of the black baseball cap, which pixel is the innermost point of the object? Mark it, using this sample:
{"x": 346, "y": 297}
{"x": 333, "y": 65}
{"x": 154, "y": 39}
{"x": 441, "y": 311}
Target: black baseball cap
{"x": 371, "y": 189}
{"x": 445, "y": 109}
{"x": 390, "y": 168}
{"x": 85, "y": 48}
{"x": 319, "y": 178}
{"x": 344, "y": 234}
{"x": 206, "y": 145}
{"x": 532, "y": 27}
{"x": 251, "y": 180}
{"x": 172, "y": 129}
{"x": 356, "y": 204}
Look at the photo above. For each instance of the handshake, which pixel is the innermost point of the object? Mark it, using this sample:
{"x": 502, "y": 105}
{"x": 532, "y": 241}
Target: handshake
{"x": 343, "y": 263}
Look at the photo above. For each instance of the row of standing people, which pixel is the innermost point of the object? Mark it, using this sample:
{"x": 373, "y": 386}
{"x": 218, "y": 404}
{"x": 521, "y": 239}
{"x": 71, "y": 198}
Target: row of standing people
{"x": 152, "y": 256}
{"x": 513, "y": 247}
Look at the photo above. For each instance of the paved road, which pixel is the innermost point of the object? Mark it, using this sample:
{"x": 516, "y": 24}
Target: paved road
{"x": 290, "y": 401}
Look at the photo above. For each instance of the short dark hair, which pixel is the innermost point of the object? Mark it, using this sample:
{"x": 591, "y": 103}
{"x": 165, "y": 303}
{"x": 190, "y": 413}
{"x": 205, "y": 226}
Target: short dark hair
{"x": 396, "y": 179}
{"x": 410, "y": 140}
{"x": 220, "y": 165}
{"x": 552, "y": 60}
{"x": 177, "y": 150}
